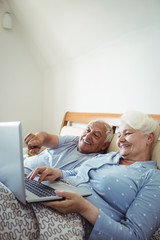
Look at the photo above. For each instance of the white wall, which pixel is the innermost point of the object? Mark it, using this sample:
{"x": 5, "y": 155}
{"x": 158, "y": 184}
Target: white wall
{"x": 21, "y": 79}
{"x": 98, "y": 56}
{"x": 121, "y": 72}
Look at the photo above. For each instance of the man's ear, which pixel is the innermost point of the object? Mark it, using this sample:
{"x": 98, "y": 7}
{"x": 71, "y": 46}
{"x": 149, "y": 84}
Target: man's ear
{"x": 150, "y": 138}
{"x": 105, "y": 146}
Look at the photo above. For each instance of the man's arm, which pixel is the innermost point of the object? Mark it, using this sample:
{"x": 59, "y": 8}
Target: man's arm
{"x": 35, "y": 141}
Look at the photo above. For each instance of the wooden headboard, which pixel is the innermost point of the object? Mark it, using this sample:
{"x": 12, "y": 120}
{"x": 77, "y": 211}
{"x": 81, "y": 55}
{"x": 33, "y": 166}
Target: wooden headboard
{"x": 85, "y": 117}
{"x": 68, "y": 127}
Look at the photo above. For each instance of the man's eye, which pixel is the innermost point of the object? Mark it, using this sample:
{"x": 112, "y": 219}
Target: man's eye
{"x": 96, "y": 135}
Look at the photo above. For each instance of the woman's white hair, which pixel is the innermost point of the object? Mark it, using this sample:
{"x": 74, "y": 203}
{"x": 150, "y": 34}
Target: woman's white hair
{"x": 141, "y": 121}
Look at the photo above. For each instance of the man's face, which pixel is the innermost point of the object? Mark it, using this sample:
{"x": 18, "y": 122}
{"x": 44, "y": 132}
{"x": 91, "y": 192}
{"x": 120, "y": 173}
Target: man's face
{"x": 93, "y": 139}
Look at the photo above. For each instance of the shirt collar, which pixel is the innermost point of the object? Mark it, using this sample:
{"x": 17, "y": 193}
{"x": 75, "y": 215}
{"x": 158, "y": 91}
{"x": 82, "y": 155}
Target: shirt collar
{"x": 146, "y": 164}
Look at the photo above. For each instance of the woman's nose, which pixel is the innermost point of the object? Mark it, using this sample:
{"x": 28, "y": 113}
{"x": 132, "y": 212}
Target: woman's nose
{"x": 121, "y": 137}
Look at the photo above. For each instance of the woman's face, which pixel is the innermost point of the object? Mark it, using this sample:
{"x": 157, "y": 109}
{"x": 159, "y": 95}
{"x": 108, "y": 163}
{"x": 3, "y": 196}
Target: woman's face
{"x": 133, "y": 144}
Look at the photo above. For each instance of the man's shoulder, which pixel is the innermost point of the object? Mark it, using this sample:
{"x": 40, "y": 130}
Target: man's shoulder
{"x": 67, "y": 139}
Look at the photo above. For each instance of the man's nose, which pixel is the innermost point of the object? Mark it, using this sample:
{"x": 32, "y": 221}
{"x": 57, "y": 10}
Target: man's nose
{"x": 89, "y": 134}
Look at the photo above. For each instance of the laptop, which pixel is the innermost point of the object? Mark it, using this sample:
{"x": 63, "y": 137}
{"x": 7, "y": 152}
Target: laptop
{"x": 12, "y": 172}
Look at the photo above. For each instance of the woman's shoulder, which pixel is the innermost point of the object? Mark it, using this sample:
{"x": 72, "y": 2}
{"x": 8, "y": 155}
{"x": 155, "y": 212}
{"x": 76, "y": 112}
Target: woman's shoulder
{"x": 153, "y": 175}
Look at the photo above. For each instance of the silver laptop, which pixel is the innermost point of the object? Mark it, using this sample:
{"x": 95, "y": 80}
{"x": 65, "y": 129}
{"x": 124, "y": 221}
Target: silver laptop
{"x": 12, "y": 172}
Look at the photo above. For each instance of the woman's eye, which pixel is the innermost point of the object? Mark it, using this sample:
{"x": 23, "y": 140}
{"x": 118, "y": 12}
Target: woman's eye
{"x": 119, "y": 135}
{"x": 127, "y": 133}
{"x": 124, "y": 134}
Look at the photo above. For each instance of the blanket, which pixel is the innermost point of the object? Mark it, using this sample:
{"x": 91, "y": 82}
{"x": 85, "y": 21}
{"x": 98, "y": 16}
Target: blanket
{"x": 38, "y": 222}
{"x": 35, "y": 221}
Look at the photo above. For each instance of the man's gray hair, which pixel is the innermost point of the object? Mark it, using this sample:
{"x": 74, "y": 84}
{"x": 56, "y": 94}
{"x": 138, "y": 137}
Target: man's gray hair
{"x": 109, "y": 130}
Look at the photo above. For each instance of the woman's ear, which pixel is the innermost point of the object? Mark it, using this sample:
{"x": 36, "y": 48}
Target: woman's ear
{"x": 150, "y": 138}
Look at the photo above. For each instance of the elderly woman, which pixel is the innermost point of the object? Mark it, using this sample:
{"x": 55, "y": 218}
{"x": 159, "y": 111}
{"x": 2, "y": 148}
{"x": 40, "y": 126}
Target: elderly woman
{"x": 125, "y": 185}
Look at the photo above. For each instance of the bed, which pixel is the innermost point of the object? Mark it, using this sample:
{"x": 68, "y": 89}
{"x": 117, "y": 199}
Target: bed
{"x": 33, "y": 222}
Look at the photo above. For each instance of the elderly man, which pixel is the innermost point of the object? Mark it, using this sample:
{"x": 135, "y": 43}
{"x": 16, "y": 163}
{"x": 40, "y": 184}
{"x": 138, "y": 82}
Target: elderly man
{"x": 68, "y": 152}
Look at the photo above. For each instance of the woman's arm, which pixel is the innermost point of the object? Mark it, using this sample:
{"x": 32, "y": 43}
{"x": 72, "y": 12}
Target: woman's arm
{"x": 50, "y": 174}
{"x": 141, "y": 220}
{"x": 75, "y": 203}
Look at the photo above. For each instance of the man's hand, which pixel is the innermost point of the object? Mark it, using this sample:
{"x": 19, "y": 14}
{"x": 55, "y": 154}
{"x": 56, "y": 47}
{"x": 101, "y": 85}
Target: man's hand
{"x": 34, "y": 143}
{"x": 40, "y": 139}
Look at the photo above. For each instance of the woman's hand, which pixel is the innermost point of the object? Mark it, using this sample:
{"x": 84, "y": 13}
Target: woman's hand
{"x": 74, "y": 203}
{"x": 46, "y": 173}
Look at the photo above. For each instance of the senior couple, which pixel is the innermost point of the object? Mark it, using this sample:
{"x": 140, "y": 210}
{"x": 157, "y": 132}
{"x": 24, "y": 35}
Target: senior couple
{"x": 125, "y": 185}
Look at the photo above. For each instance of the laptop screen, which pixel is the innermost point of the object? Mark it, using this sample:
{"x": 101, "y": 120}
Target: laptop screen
{"x": 11, "y": 158}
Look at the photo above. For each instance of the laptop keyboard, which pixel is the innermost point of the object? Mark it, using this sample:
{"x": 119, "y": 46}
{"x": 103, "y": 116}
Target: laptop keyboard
{"x": 39, "y": 189}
